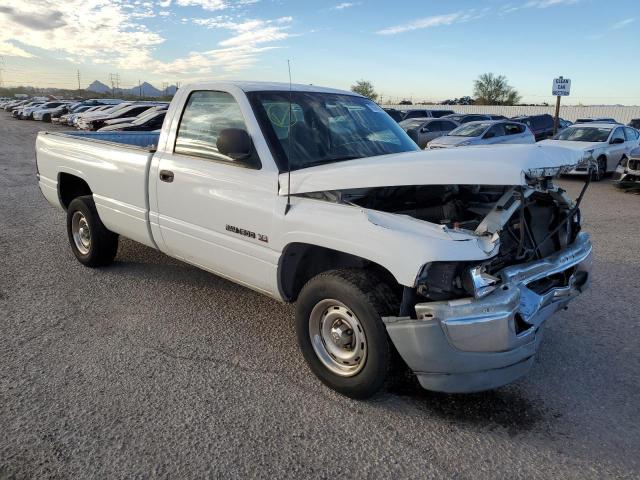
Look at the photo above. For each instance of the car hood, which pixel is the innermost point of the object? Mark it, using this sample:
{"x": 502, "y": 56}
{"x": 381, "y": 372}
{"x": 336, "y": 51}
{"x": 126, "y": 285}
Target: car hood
{"x": 581, "y": 146}
{"x": 482, "y": 165}
{"x": 452, "y": 140}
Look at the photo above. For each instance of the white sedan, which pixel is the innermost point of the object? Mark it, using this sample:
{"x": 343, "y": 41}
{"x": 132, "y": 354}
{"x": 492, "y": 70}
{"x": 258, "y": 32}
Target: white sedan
{"x": 606, "y": 144}
{"x": 486, "y": 132}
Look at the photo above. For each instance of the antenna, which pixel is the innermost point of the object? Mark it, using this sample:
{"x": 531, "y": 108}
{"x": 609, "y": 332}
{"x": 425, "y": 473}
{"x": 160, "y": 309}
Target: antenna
{"x": 286, "y": 209}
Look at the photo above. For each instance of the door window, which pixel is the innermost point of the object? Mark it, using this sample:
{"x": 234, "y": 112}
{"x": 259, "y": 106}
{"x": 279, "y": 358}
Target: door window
{"x": 497, "y": 130}
{"x": 619, "y": 133}
{"x": 513, "y": 128}
{"x": 206, "y": 114}
{"x": 433, "y": 126}
{"x": 631, "y": 134}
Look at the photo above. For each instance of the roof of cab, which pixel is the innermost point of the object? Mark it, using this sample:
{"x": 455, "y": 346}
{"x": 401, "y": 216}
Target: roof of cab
{"x": 247, "y": 86}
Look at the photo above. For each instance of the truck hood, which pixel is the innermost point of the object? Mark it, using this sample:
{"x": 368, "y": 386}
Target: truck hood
{"x": 482, "y": 165}
{"x": 581, "y": 146}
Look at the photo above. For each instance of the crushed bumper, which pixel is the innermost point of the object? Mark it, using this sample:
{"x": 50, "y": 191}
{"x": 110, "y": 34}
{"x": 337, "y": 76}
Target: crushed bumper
{"x": 470, "y": 344}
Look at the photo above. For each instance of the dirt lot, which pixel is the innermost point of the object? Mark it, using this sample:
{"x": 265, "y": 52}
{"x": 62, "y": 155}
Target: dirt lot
{"x": 151, "y": 368}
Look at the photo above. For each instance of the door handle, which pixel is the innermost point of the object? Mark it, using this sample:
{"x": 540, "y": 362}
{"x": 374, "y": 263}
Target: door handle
{"x": 166, "y": 176}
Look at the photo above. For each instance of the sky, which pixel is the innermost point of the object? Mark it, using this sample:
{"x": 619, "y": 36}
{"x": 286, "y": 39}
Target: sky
{"x": 420, "y": 50}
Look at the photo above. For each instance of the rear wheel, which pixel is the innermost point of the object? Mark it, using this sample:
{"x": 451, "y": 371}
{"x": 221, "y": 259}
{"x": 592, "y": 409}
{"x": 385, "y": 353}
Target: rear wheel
{"x": 341, "y": 333}
{"x": 91, "y": 242}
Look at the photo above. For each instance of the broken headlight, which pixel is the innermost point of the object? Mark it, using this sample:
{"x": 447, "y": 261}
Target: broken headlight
{"x": 451, "y": 280}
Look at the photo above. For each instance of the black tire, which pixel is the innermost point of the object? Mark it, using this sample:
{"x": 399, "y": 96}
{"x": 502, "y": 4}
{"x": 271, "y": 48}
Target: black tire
{"x": 103, "y": 243}
{"x": 46, "y": 118}
{"x": 369, "y": 298}
{"x": 601, "y": 171}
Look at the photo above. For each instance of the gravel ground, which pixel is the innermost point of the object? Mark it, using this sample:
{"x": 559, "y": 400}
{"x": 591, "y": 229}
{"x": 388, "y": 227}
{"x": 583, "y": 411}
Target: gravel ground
{"x": 152, "y": 368}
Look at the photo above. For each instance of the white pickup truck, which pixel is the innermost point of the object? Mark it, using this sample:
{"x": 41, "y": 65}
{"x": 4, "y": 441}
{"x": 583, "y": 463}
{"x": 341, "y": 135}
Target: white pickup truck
{"x": 446, "y": 262}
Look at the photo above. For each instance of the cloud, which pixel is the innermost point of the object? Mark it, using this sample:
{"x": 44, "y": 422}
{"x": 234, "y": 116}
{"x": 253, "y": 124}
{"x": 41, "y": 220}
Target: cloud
{"x": 467, "y": 16}
{"x": 342, "y": 6}
{"x": 426, "y": 22}
{"x": 623, "y": 23}
{"x": 110, "y": 33}
{"x": 11, "y": 50}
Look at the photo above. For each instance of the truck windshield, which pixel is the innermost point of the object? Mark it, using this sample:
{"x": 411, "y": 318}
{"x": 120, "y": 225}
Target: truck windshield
{"x": 325, "y": 128}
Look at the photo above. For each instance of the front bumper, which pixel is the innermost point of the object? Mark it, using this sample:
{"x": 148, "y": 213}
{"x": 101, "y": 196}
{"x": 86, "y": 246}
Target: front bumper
{"x": 470, "y": 345}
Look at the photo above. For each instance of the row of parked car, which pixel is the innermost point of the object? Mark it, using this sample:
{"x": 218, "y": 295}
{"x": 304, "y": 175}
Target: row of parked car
{"x": 605, "y": 143}
{"x": 104, "y": 114}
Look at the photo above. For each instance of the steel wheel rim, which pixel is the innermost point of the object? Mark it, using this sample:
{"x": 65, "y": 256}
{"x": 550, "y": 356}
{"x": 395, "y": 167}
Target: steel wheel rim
{"x": 338, "y": 338}
{"x": 81, "y": 232}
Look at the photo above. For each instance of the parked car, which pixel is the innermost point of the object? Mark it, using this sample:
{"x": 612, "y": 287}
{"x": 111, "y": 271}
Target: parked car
{"x": 603, "y": 145}
{"x": 395, "y": 114}
{"x": 423, "y": 130}
{"x": 461, "y": 118}
{"x": 635, "y": 123}
{"x": 98, "y": 121}
{"x": 20, "y": 111}
{"x": 126, "y": 119}
{"x": 98, "y": 112}
{"x": 45, "y": 112}
{"x": 596, "y": 120}
{"x": 489, "y": 132}
{"x": 147, "y": 121}
{"x": 540, "y": 125}
{"x": 411, "y": 256}
{"x": 630, "y": 172}
{"x": 27, "y": 113}
{"x": 562, "y": 123}
{"x": 424, "y": 113}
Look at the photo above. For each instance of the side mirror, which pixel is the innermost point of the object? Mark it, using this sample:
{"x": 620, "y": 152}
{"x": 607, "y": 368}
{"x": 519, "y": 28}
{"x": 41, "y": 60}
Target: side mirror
{"x": 616, "y": 140}
{"x": 488, "y": 135}
{"x": 235, "y": 143}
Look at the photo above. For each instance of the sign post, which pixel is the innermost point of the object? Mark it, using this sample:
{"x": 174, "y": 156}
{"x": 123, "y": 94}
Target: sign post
{"x": 561, "y": 88}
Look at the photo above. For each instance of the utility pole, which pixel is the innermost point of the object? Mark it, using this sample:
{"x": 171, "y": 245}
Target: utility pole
{"x": 78, "y": 74}
{"x": 139, "y": 89}
{"x": 115, "y": 82}
{"x": 561, "y": 88}
{"x": 165, "y": 85}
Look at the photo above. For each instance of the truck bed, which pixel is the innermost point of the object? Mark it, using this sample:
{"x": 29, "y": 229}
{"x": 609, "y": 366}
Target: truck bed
{"x": 115, "y": 167}
{"x": 146, "y": 140}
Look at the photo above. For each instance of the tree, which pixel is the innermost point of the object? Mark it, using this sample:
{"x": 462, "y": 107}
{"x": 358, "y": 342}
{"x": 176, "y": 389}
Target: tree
{"x": 491, "y": 89}
{"x": 365, "y": 88}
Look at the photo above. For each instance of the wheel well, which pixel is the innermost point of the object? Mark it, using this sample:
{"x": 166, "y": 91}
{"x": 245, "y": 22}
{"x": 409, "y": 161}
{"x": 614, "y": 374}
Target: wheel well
{"x": 70, "y": 187}
{"x": 300, "y": 262}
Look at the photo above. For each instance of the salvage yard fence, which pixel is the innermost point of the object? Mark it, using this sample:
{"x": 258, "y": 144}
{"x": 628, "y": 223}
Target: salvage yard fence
{"x": 569, "y": 112}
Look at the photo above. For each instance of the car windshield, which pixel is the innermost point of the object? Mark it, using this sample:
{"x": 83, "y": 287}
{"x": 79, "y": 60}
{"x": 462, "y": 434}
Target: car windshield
{"x": 469, "y": 130}
{"x": 413, "y": 123}
{"x": 325, "y": 128}
{"x": 584, "y": 134}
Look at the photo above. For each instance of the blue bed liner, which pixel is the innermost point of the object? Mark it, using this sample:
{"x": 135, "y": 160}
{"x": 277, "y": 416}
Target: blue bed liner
{"x": 147, "y": 140}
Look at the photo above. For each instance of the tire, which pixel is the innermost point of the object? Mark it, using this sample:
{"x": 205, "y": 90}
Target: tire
{"x": 350, "y": 300}
{"x": 91, "y": 242}
{"x": 601, "y": 171}
{"x": 46, "y": 118}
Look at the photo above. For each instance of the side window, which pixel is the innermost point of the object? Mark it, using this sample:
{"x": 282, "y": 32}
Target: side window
{"x": 204, "y": 117}
{"x": 618, "y": 133}
{"x": 135, "y": 111}
{"x": 513, "y": 128}
{"x": 631, "y": 134}
{"x": 497, "y": 130}
{"x": 447, "y": 126}
{"x": 435, "y": 126}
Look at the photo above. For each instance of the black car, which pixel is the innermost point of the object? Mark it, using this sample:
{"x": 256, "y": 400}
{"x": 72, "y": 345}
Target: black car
{"x": 425, "y": 113}
{"x": 469, "y": 117}
{"x": 395, "y": 114}
{"x": 540, "y": 125}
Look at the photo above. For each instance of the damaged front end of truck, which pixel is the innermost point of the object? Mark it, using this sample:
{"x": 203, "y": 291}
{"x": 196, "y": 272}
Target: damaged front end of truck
{"x": 474, "y": 322}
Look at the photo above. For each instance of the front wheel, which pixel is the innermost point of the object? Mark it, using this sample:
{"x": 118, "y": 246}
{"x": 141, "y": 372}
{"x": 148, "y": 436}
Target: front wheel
{"x": 341, "y": 333}
{"x": 91, "y": 242}
{"x": 601, "y": 170}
